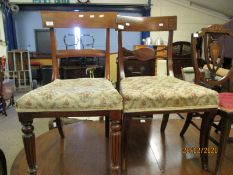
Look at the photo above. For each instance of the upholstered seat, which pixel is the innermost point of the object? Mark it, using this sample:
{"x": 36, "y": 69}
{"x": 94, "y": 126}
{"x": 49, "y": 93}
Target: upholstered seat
{"x": 161, "y": 93}
{"x": 226, "y": 101}
{"x": 83, "y": 94}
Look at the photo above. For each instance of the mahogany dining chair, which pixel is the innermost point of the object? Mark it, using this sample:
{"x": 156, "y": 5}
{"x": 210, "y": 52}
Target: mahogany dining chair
{"x": 74, "y": 97}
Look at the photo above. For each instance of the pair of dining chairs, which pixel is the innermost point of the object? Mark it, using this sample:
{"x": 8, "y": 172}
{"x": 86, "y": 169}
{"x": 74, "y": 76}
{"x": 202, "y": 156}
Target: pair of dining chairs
{"x": 144, "y": 95}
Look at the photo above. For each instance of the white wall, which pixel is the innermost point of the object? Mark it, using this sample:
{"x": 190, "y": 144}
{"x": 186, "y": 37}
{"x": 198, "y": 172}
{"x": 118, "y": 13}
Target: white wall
{"x": 2, "y": 37}
{"x": 189, "y": 19}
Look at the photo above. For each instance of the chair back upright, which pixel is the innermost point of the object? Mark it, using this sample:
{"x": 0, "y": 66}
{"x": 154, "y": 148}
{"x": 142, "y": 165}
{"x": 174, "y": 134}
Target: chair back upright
{"x": 54, "y": 19}
{"x": 213, "y": 55}
{"x": 145, "y": 24}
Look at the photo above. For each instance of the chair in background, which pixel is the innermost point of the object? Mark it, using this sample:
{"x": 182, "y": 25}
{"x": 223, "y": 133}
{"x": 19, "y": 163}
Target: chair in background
{"x": 74, "y": 97}
{"x": 213, "y": 54}
{"x": 181, "y": 54}
{"x": 7, "y": 89}
{"x": 146, "y": 95}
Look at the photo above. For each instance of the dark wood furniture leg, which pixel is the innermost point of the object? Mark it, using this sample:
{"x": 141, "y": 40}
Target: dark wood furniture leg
{"x": 3, "y": 168}
{"x": 3, "y": 106}
{"x": 60, "y": 127}
{"x": 207, "y": 121}
{"x": 12, "y": 100}
{"x": 115, "y": 142}
{"x": 225, "y": 131}
{"x": 218, "y": 127}
{"x": 29, "y": 145}
{"x": 186, "y": 124}
{"x": 106, "y": 126}
{"x": 164, "y": 122}
{"x": 125, "y": 131}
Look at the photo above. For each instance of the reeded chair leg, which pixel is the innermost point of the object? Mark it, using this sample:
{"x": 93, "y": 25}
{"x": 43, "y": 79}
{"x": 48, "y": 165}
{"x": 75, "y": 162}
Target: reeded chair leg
{"x": 60, "y": 127}
{"x": 115, "y": 142}
{"x": 186, "y": 124}
{"x": 29, "y": 145}
{"x": 225, "y": 131}
{"x": 164, "y": 122}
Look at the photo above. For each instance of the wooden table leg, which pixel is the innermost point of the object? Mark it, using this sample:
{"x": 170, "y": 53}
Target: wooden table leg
{"x": 29, "y": 145}
{"x": 115, "y": 142}
{"x": 207, "y": 121}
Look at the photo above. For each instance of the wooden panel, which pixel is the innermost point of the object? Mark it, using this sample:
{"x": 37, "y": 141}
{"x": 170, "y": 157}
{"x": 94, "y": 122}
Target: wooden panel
{"x": 113, "y": 67}
{"x": 43, "y": 61}
{"x": 78, "y": 19}
{"x": 161, "y": 53}
{"x": 128, "y": 23}
{"x": 80, "y": 53}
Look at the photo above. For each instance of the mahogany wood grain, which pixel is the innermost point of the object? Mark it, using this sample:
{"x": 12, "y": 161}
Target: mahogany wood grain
{"x": 53, "y": 54}
{"x": 130, "y": 23}
{"x": 52, "y": 19}
{"x": 80, "y": 53}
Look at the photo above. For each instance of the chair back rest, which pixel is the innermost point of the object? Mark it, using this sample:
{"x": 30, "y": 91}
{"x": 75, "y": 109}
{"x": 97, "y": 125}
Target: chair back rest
{"x": 53, "y": 19}
{"x": 213, "y": 53}
{"x": 145, "y": 54}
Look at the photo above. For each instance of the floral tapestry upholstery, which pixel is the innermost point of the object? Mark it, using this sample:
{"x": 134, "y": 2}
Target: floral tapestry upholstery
{"x": 159, "y": 93}
{"x": 83, "y": 94}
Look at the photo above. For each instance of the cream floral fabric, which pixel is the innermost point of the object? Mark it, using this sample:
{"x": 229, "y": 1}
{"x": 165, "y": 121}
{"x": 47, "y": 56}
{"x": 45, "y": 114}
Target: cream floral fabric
{"x": 82, "y": 94}
{"x": 158, "y": 93}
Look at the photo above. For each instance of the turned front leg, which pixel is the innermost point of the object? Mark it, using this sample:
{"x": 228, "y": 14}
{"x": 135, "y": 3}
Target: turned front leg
{"x": 115, "y": 143}
{"x": 29, "y": 146}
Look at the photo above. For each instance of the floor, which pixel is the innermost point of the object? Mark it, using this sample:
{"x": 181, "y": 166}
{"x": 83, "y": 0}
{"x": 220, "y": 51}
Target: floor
{"x": 84, "y": 151}
{"x": 11, "y": 135}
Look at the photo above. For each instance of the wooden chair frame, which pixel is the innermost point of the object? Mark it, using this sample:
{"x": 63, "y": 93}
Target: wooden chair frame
{"x": 54, "y": 20}
{"x": 168, "y": 24}
{"x": 211, "y": 54}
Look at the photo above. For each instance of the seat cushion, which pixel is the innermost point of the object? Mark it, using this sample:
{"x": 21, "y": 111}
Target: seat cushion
{"x": 84, "y": 94}
{"x": 159, "y": 93}
{"x": 226, "y": 101}
{"x": 221, "y": 72}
